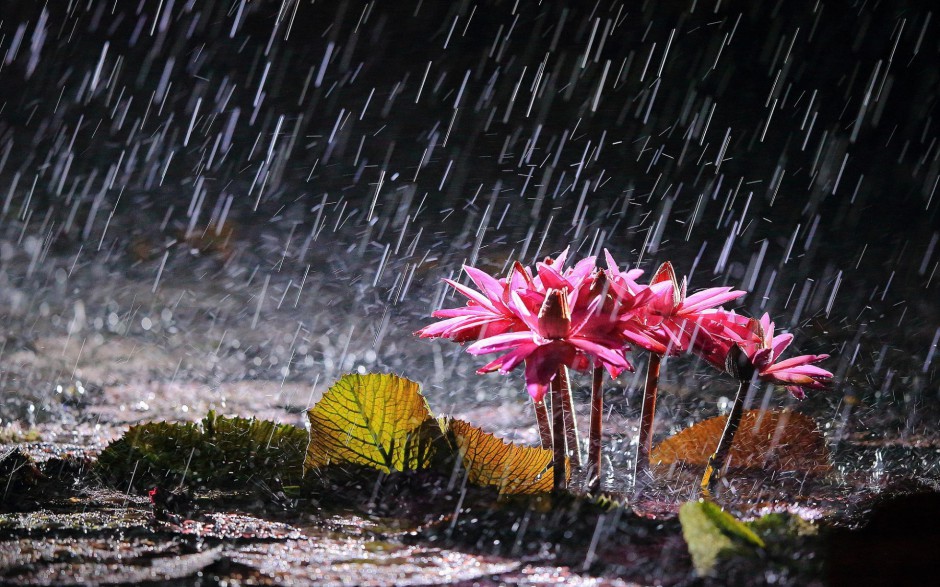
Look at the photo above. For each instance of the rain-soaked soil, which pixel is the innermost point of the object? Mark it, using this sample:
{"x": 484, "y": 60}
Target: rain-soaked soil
{"x": 227, "y": 205}
{"x": 69, "y": 395}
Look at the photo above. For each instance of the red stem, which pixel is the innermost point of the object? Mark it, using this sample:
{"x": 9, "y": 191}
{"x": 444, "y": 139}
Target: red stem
{"x": 645, "y": 441}
{"x": 595, "y": 469}
{"x": 559, "y": 469}
{"x": 545, "y": 427}
{"x": 572, "y": 438}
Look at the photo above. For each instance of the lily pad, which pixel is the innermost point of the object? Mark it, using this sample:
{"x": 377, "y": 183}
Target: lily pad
{"x": 490, "y": 461}
{"x": 376, "y": 420}
{"x": 766, "y": 440}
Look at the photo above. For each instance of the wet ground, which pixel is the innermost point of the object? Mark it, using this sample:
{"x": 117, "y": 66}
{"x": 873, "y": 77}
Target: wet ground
{"x": 227, "y": 206}
{"x": 69, "y": 394}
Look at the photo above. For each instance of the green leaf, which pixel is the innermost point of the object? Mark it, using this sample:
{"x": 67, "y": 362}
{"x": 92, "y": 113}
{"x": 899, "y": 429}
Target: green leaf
{"x": 218, "y": 452}
{"x": 489, "y": 461}
{"x": 376, "y": 420}
{"x": 712, "y": 533}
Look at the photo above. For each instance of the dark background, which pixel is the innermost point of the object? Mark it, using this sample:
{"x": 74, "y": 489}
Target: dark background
{"x": 234, "y": 150}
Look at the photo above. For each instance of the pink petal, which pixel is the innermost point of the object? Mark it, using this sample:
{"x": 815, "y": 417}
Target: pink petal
{"x": 486, "y": 282}
{"x": 780, "y": 343}
{"x": 442, "y": 328}
{"x": 472, "y": 294}
{"x": 645, "y": 295}
{"x": 633, "y": 274}
{"x": 559, "y": 261}
{"x": 796, "y": 391}
{"x": 581, "y": 271}
{"x": 611, "y": 264}
{"x": 761, "y": 359}
{"x": 675, "y": 334}
{"x": 528, "y": 317}
{"x": 802, "y": 360}
{"x": 536, "y": 390}
{"x": 590, "y": 312}
{"x": 507, "y": 362}
{"x": 540, "y": 369}
{"x": 645, "y": 340}
{"x": 463, "y": 311}
{"x": 483, "y": 329}
{"x": 661, "y": 301}
{"x": 709, "y": 298}
{"x": 767, "y": 329}
{"x": 551, "y": 279}
{"x": 725, "y": 324}
{"x": 605, "y": 354}
{"x": 792, "y": 378}
{"x": 615, "y": 371}
{"x": 501, "y": 342}
{"x": 801, "y": 371}
{"x": 520, "y": 278}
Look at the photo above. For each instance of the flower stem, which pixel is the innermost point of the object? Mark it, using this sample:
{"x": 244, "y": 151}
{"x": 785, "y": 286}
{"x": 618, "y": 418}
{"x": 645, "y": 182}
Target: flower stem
{"x": 545, "y": 427}
{"x": 573, "y": 440}
{"x": 595, "y": 470}
{"x": 645, "y": 442}
{"x": 558, "y": 433}
{"x": 716, "y": 463}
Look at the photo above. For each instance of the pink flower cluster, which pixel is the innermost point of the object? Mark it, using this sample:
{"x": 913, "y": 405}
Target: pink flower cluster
{"x": 584, "y": 316}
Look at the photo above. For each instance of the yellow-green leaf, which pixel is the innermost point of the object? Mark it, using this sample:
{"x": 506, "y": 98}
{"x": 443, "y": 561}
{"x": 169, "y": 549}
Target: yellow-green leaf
{"x": 712, "y": 533}
{"x": 376, "y": 420}
{"x": 511, "y": 468}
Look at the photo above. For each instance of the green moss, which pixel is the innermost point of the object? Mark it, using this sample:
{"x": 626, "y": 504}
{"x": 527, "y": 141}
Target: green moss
{"x": 218, "y": 453}
{"x": 720, "y": 544}
{"x": 14, "y": 434}
{"x": 711, "y": 533}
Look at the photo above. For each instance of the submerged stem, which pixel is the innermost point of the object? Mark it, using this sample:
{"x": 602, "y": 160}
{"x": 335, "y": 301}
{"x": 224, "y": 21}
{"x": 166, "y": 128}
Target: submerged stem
{"x": 545, "y": 426}
{"x": 595, "y": 478}
{"x": 558, "y": 433}
{"x": 573, "y": 440}
{"x": 716, "y": 463}
{"x": 645, "y": 442}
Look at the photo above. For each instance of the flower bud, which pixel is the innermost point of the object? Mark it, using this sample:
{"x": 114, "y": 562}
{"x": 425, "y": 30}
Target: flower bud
{"x": 554, "y": 315}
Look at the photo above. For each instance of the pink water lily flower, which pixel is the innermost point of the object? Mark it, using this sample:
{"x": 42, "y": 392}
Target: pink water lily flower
{"x": 623, "y": 306}
{"x": 488, "y": 311}
{"x": 673, "y": 320}
{"x": 755, "y": 338}
{"x": 552, "y": 339}
{"x": 623, "y": 280}
{"x": 555, "y": 317}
